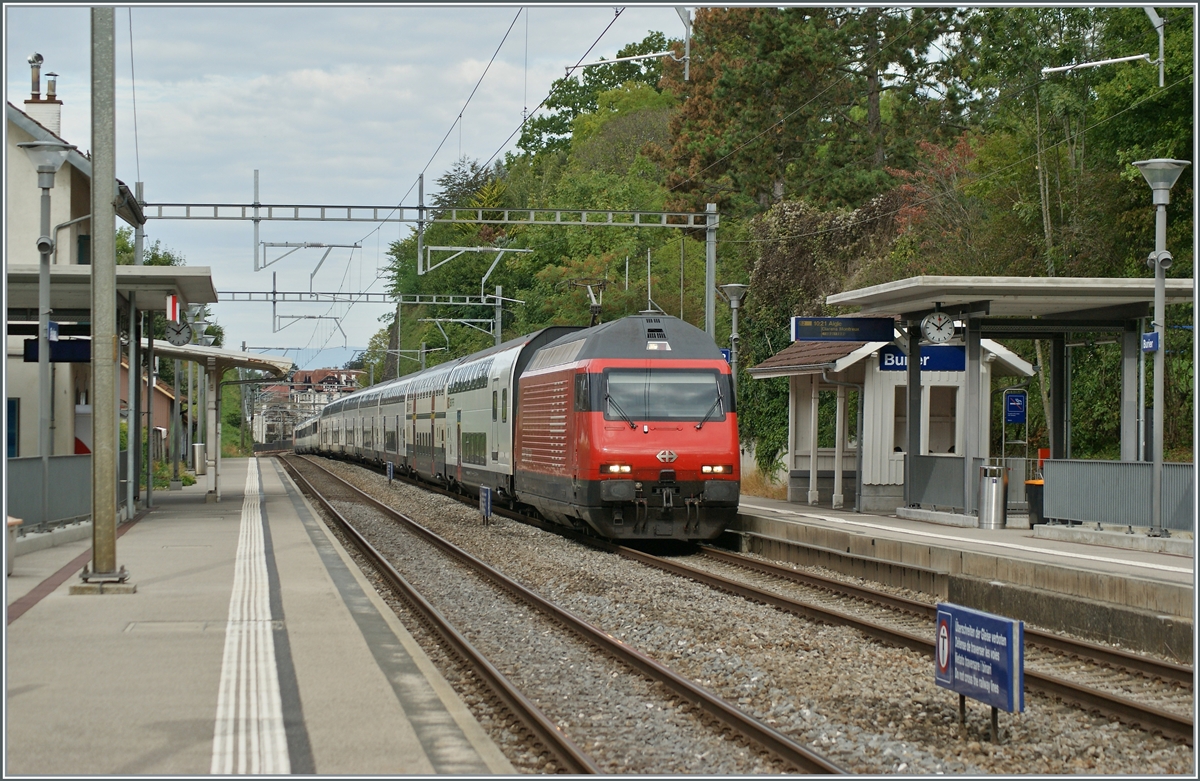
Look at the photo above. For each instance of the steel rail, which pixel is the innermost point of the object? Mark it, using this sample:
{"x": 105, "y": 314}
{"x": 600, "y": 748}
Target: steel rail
{"x": 782, "y": 746}
{"x": 572, "y": 758}
{"x": 1112, "y": 657}
{"x": 1125, "y": 710}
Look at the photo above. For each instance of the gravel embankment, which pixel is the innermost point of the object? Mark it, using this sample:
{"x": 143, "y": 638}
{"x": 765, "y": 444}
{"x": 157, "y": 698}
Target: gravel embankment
{"x": 868, "y": 707}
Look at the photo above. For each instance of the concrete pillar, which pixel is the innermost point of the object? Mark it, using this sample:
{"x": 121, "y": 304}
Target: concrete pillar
{"x": 1130, "y": 348}
{"x": 839, "y": 447}
{"x": 813, "y": 493}
{"x": 105, "y": 346}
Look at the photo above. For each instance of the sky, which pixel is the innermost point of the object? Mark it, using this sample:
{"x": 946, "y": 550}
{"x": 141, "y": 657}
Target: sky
{"x": 340, "y": 105}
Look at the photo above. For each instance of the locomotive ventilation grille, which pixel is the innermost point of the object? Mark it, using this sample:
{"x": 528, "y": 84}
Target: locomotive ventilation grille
{"x": 544, "y": 425}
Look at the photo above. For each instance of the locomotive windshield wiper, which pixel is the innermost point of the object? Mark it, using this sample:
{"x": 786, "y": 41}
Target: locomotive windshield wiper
{"x": 608, "y": 397}
{"x": 711, "y": 409}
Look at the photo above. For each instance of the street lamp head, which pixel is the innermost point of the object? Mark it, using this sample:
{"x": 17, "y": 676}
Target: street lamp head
{"x": 47, "y": 156}
{"x": 1161, "y": 174}
{"x": 734, "y": 292}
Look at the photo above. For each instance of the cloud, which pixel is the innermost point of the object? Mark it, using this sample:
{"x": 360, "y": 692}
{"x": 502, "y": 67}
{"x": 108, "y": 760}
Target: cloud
{"x": 335, "y": 105}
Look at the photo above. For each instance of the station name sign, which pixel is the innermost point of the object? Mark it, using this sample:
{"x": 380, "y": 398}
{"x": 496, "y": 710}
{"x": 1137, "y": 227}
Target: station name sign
{"x": 940, "y": 358}
{"x": 843, "y": 329}
{"x": 981, "y": 656}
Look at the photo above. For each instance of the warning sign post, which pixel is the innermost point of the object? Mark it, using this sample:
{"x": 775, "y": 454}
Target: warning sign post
{"x": 981, "y": 656}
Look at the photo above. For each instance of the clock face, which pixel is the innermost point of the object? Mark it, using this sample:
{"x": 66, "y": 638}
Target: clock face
{"x": 179, "y": 334}
{"x": 938, "y": 327}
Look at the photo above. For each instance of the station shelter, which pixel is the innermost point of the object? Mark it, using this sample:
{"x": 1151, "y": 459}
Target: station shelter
{"x": 878, "y": 371}
{"x": 916, "y": 452}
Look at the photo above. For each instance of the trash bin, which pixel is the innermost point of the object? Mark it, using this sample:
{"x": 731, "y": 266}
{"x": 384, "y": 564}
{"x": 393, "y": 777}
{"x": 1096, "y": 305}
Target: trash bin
{"x": 1033, "y": 493}
{"x": 993, "y": 496}
{"x": 201, "y": 458}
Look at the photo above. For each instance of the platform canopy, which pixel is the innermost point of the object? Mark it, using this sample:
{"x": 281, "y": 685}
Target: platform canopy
{"x": 71, "y": 288}
{"x": 1068, "y": 297}
{"x": 223, "y": 359}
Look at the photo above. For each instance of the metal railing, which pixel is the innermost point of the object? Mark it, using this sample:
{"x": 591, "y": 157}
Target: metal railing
{"x": 937, "y": 481}
{"x": 1117, "y": 492}
{"x": 70, "y": 495}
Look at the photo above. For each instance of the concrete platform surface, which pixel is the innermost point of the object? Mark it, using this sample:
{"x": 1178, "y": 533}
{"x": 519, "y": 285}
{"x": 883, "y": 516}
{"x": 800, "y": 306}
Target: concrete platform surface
{"x": 252, "y": 644}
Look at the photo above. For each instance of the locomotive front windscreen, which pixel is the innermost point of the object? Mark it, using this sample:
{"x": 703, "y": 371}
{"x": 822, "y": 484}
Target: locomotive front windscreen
{"x": 665, "y": 394}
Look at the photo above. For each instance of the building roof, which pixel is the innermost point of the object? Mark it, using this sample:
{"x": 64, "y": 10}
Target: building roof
{"x": 803, "y": 357}
{"x": 127, "y": 206}
{"x": 1013, "y": 296}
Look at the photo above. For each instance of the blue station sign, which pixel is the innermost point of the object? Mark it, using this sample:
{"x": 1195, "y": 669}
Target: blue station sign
{"x": 1150, "y": 342}
{"x": 980, "y": 655}
{"x": 727, "y": 354}
{"x": 940, "y": 358}
{"x": 843, "y": 329}
{"x": 1014, "y": 406}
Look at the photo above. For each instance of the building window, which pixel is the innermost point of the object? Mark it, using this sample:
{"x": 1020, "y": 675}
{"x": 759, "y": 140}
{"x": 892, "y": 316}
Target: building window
{"x": 14, "y": 428}
{"x": 900, "y": 418}
{"x": 943, "y": 418}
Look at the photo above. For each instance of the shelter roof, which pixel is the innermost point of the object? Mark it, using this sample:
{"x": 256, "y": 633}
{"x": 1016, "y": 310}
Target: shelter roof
{"x": 71, "y": 286}
{"x": 225, "y": 359}
{"x": 801, "y": 358}
{"x": 1013, "y": 296}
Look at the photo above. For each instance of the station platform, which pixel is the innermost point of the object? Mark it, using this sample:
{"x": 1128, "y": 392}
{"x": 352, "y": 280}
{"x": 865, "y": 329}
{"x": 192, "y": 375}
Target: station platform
{"x": 1077, "y": 582}
{"x": 251, "y": 643}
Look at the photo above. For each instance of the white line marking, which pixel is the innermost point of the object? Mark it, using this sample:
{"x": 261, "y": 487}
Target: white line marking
{"x": 1103, "y": 559}
{"x": 249, "y": 735}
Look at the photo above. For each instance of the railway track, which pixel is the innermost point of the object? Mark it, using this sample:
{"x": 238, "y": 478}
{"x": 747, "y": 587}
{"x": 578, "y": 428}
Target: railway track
{"x": 572, "y": 758}
{"x": 1083, "y": 686}
{"x": 908, "y": 623}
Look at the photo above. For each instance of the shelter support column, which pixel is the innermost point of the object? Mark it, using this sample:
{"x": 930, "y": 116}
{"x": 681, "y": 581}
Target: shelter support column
{"x": 131, "y": 413}
{"x": 972, "y": 446}
{"x": 217, "y": 416}
{"x": 813, "y": 494}
{"x": 1058, "y": 397}
{"x": 1129, "y": 391}
{"x": 210, "y": 435}
{"x": 914, "y": 408}
{"x": 793, "y": 419}
{"x": 839, "y": 447}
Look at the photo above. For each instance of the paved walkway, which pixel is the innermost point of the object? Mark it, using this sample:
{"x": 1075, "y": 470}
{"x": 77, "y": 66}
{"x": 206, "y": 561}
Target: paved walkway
{"x": 253, "y": 644}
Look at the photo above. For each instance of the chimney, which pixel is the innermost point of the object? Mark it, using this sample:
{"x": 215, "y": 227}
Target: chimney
{"x": 46, "y": 112}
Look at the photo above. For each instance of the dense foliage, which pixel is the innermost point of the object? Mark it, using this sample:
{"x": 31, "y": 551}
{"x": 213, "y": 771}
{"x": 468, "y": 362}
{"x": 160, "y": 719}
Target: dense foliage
{"x": 843, "y": 148}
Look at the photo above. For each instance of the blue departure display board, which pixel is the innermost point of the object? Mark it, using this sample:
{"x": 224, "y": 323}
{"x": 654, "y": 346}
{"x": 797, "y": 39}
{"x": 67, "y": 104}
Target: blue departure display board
{"x": 843, "y": 329}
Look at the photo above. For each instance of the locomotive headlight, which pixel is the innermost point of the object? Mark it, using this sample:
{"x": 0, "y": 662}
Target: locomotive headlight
{"x": 718, "y": 469}
{"x": 614, "y": 469}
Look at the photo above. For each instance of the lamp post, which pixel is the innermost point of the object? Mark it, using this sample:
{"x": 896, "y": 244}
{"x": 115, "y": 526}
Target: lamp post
{"x": 47, "y": 157}
{"x": 1161, "y": 175}
{"x": 735, "y": 293}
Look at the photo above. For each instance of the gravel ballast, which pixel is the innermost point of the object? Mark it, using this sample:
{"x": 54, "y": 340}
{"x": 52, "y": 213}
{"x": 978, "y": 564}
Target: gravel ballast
{"x": 868, "y": 707}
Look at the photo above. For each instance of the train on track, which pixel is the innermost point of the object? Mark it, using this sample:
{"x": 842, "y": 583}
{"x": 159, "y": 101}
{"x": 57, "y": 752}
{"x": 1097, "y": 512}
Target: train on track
{"x": 626, "y": 430}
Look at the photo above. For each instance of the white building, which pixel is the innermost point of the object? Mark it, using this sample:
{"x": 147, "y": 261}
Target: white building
{"x": 815, "y": 368}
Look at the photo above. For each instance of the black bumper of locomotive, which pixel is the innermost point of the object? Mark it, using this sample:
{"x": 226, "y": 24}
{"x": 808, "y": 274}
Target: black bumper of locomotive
{"x": 618, "y": 509}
